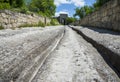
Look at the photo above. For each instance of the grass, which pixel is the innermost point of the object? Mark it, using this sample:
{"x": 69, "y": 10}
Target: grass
{"x": 54, "y": 22}
{"x": 40, "y": 24}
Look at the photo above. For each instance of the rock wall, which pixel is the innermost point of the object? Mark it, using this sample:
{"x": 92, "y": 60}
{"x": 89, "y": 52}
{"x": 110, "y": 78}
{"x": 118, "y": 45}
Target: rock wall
{"x": 9, "y": 19}
{"x": 108, "y": 16}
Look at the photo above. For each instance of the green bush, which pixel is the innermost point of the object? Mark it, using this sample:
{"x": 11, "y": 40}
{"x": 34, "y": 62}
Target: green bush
{"x": 54, "y": 22}
{"x": 26, "y": 25}
{"x": 24, "y": 10}
{"x": 41, "y": 24}
{"x": 1, "y": 27}
{"x": 33, "y": 25}
{"x": 4, "y": 6}
{"x": 48, "y": 24}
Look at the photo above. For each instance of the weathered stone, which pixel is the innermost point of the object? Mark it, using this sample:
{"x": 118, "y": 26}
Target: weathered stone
{"x": 116, "y": 9}
{"x": 107, "y": 42}
{"x": 27, "y": 49}
{"x": 8, "y": 17}
{"x": 5, "y": 20}
{"x": 114, "y": 3}
{"x": 117, "y": 17}
{"x": 1, "y": 19}
{"x": 3, "y": 15}
{"x": 106, "y": 15}
{"x": 115, "y": 25}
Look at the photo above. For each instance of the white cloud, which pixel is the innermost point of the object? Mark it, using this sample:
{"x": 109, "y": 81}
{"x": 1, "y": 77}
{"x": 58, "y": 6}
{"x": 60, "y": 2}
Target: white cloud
{"x": 61, "y": 12}
{"x": 59, "y": 2}
{"x": 77, "y": 3}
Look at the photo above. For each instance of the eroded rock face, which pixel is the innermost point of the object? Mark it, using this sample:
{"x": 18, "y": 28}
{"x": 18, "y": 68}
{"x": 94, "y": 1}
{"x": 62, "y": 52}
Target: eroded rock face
{"x": 9, "y": 19}
{"x": 22, "y": 52}
{"x": 107, "y": 42}
{"x": 108, "y": 17}
{"x": 51, "y": 54}
{"x": 75, "y": 60}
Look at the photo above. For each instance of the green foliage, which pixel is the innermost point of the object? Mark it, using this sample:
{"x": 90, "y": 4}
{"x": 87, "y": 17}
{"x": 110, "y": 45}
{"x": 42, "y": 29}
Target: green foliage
{"x": 99, "y": 3}
{"x": 19, "y": 3}
{"x": 48, "y": 24}
{"x": 4, "y": 6}
{"x": 88, "y": 10}
{"x": 83, "y": 11}
{"x": 43, "y": 6}
{"x": 79, "y": 13}
{"x": 70, "y": 20}
{"x": 7, "y": 4}
{"x": 1, "y": 27}
{"x": 40, "y": 24}
{"x": 54, "y": 22}
{"x": 24, "y": 10}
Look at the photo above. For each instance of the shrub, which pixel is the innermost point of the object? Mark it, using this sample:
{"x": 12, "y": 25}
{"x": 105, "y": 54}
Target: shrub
{"x": 54, "y": 22}
{"x": 33, "y": 25}
{"x": 48, "y": 24}
{"x": 1, "y": 27}
{"x": 4, "y": 6}
{"x": 41, "y": 24}
{"x": 24, "y": 10}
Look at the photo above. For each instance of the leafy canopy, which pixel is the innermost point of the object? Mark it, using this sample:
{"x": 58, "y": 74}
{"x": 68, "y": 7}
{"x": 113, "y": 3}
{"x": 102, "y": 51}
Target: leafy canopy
{"x": 46, "y": 7}
{"x": 83, "y": 11}
{"x": 42, "y": 7}
{"x": 70, "y": 20}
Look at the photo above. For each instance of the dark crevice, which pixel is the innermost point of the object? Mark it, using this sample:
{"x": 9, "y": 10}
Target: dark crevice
{"x": 111, "y": 58}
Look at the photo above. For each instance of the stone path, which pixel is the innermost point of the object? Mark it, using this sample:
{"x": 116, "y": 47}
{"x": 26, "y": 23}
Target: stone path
{"x": 75, "y": 60}
{"x": 45, "y": 55}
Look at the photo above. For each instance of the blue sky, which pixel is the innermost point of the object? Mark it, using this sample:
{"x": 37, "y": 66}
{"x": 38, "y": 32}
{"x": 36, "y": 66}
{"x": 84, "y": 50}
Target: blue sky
{"x": 68, "y": 6}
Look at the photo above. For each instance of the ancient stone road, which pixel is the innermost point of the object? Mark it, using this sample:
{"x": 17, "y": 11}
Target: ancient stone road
{"x": 22, "y": 53}
{"x": 75, "y": 60}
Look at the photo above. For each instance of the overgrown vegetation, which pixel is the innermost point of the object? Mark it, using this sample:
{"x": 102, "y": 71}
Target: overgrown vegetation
{"x": 54, "y": 22}
{"x": 42, "y": 7}
{"x": 40, "y": 24}
{"x": 45, "y": 7}
{"x": 4, "y": 6}
{"x": 99, "y": 3}
{"x": 11, "y": 4}
{"x": 83, "y": 11}
{"x": 1, "y": 27}
{"x": 70, "y": 20}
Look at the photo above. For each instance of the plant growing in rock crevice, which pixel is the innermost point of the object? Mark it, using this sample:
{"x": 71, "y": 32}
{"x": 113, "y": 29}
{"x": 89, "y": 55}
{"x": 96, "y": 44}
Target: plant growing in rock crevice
{"x": 40, "y": 24}
{"x": 1, "y": 27}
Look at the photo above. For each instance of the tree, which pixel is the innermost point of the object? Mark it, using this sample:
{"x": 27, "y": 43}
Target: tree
{"x": 20, "y": 3}
{"x": 43, "y": 6}
{"x": 88, "y": 10}
{"x": 79, "y": 13}
{"x": 11, "y": 2}
{"x": 70, "y": 20}
{"x": 16, "y": 3}
{"x": 83, "y": 11}
{"x": 4, "y": 4}
{"x": 99, "y": 3}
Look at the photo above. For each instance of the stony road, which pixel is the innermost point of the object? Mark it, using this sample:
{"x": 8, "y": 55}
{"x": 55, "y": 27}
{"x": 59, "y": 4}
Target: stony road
{"x": 52, "y": 54}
